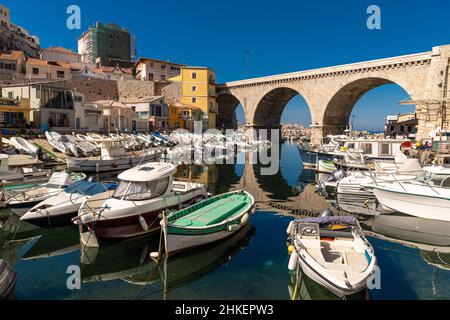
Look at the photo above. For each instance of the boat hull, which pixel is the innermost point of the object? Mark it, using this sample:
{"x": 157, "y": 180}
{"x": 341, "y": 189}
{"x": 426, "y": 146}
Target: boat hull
{"x": 177, "y": 243}
{"x": 416, "y": 205}
{"x": 130, "y": 226}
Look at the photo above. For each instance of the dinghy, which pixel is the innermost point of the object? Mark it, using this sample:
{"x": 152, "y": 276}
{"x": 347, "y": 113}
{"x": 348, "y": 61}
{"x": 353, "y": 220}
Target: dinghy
{"x": 54, "y": 139}
{"x": 208, "y": 221}
{"x": 326, "y": 166}
{"x": 333, "y": 252}
{"x": 27, "y": 146}
{"x": 59, "y": 209}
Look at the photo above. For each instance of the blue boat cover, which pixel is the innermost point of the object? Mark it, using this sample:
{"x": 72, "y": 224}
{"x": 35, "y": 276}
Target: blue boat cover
{"x": 90, "y": 188}
{"x": 329, "y": 220}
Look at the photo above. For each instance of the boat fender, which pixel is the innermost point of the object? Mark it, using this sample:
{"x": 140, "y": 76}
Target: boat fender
{"x": 290, "y": 249}
{"x": 293, "y": 261}
{"x": 290, "y": 227}
{"x": 244, "y": 219}
{"x": 143, "y": 223}
{"x": 233, "y": 227}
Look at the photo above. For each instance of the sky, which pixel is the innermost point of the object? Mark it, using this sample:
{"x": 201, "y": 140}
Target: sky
{"x": 282, "y": 36}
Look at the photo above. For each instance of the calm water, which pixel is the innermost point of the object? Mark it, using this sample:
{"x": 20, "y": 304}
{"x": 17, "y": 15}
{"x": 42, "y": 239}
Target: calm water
{"x": 413, "y": 255}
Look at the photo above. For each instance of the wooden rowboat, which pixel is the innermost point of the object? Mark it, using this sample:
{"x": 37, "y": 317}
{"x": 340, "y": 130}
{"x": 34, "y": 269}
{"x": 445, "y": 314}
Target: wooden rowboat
{"x": 208, "y": 221}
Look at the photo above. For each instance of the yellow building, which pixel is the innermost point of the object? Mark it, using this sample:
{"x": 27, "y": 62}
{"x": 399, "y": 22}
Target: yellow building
{"x": 199, "y": 90}
{"x": 183, "y": 116}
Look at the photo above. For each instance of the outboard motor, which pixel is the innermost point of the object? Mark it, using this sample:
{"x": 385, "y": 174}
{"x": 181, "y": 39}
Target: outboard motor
{"x": 327, "y": 213}
{"x": 336, "y": 176}
{"x": 7, "y": 280}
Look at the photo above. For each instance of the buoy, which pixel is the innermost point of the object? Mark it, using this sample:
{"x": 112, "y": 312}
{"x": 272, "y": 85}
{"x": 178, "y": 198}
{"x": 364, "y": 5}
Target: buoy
{"x": 143, "y": 223}
{"x": 290, "y": 227}
{"x": 293, "y": 261}
{"x": 291, "y": 249}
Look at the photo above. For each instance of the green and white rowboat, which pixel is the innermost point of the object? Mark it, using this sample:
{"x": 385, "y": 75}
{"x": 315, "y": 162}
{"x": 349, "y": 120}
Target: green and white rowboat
{"x": 207, "y": 221}
{"x": 326, "y": 166}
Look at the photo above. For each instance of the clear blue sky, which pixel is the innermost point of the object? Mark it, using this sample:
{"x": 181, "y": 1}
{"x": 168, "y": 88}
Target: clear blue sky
{"x": 284, "y": 36}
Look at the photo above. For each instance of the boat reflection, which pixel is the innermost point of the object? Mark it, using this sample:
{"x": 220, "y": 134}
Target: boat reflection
{"x": 54, "y": 242}
{"x": 359, "y": 204}
{"x": 130, "y": 261}
{"x": 304, "y": 288}
{"x": 430, "y": 237}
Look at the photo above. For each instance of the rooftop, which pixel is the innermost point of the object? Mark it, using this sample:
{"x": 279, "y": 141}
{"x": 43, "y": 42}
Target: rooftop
{"x": 11, "y": 54}
{"x": 61, "y": 50}
{"x": 141, "y": 59}
{"x": 61, "y": 64}
{"x": 142, "y": 100}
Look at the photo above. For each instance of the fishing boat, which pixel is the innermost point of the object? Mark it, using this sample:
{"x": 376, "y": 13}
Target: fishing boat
{"x": 113, "y": 157}
{"x": 27, "y": 146}
{"x": 59, "y": 209}
{"x": 427, "y": 196}
{"x": 20, "y": 201}
{"x": 208, "y": 221}
{"x": 134, "y": 208}
{"x": 332, "y": 251}
{"x": 325, "y": 166}
{"x": 78, "y": 147}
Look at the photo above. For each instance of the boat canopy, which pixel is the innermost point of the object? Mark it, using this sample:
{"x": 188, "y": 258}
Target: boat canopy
{"x": 90, "y": 188}
{"x": 329, "y": 220}
{"x": 148, "y": 172}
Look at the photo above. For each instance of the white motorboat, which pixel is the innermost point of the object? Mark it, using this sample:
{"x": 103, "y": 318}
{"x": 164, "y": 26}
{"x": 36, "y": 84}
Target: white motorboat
{"x": 333, "y": 252}
{"x": 113, "y": 158}
{"x": 27, "y": 146}
{"x": 135, "y": 207}
{"x": 54, "y": 139}
{"x": 427, "y": 196}
{"x": 324, "y": 166}
{"x": 59, "y": 209}
{"x": 79, "y": 147}
{"x": 20, "y": 201}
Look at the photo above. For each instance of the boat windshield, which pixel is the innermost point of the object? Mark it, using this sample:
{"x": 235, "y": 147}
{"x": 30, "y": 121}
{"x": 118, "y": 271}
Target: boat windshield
{"x": 434, "y": 179}
{"x": 142, "y": 190}
{"x": 90, "y": 188}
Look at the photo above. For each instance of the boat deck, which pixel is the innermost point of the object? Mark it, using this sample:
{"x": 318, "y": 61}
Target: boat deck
{"x": 214, "y": 212}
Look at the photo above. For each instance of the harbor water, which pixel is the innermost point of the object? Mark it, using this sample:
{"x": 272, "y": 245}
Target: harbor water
{"x": 413, "y": 254}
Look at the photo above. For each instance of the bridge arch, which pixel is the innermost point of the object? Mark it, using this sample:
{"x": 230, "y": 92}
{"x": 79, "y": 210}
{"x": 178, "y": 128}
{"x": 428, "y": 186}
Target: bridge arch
{"x": 271, "y": 105}
{"x": 337, "y": 112}
{"x": 227, "y": 104}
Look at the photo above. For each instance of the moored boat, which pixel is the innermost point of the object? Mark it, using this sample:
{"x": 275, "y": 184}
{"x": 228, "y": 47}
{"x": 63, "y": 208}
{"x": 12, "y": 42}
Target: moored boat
{"x": 208, "y": 221}
{"x": 333, "y": 252}
{"x": 59, "y": 209}
{"x": 325, "y": 166}
{"x": 135, "y": 207}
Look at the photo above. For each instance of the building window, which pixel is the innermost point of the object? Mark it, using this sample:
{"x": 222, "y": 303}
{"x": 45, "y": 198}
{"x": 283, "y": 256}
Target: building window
{"x": 385, "y": 149}
{"x": 58, "y": 120}
{"x": 163, "y": 66}
{"x": 133, "y": 108}
{"x": 163, "y": 77}
{"x": 36, "y": 71}
{"x": 194, "y": 99}
{"x": 11, "y": 95}
{"x": 194, "y": 88}
{"x": 60, "y": 74}
{"x": 150, "y": 76}
{"x": 194, "y": 75}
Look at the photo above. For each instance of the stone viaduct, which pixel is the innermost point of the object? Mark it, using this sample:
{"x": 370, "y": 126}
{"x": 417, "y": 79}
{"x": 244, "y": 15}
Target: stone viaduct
{"x": 332, "y": 92}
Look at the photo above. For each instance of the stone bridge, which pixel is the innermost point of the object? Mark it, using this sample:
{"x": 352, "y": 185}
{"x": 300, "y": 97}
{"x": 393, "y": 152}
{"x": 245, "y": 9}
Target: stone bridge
{"x": 332, "y": 92}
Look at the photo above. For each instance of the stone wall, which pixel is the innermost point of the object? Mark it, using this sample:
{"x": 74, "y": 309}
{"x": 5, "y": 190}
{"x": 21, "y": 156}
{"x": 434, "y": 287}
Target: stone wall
{"x": 171, "y": 91}
{"x": 100, "y": 89}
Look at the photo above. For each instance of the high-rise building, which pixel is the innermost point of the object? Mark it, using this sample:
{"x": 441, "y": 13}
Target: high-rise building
{"x": 105, "y": 41}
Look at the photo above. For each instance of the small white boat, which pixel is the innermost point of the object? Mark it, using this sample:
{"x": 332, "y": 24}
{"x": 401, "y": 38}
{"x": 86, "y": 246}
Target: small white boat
{"x": 27, "y": 146}
{"x": 59, "y": 209}
{"x": 135, "y": 206}
{"x": 326, "y": 166}
{"x": 54, "y": 139}
{"x": 20, "y": 201}
{"x": 333, "y": 252}
{"x": 427, "y": 196}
